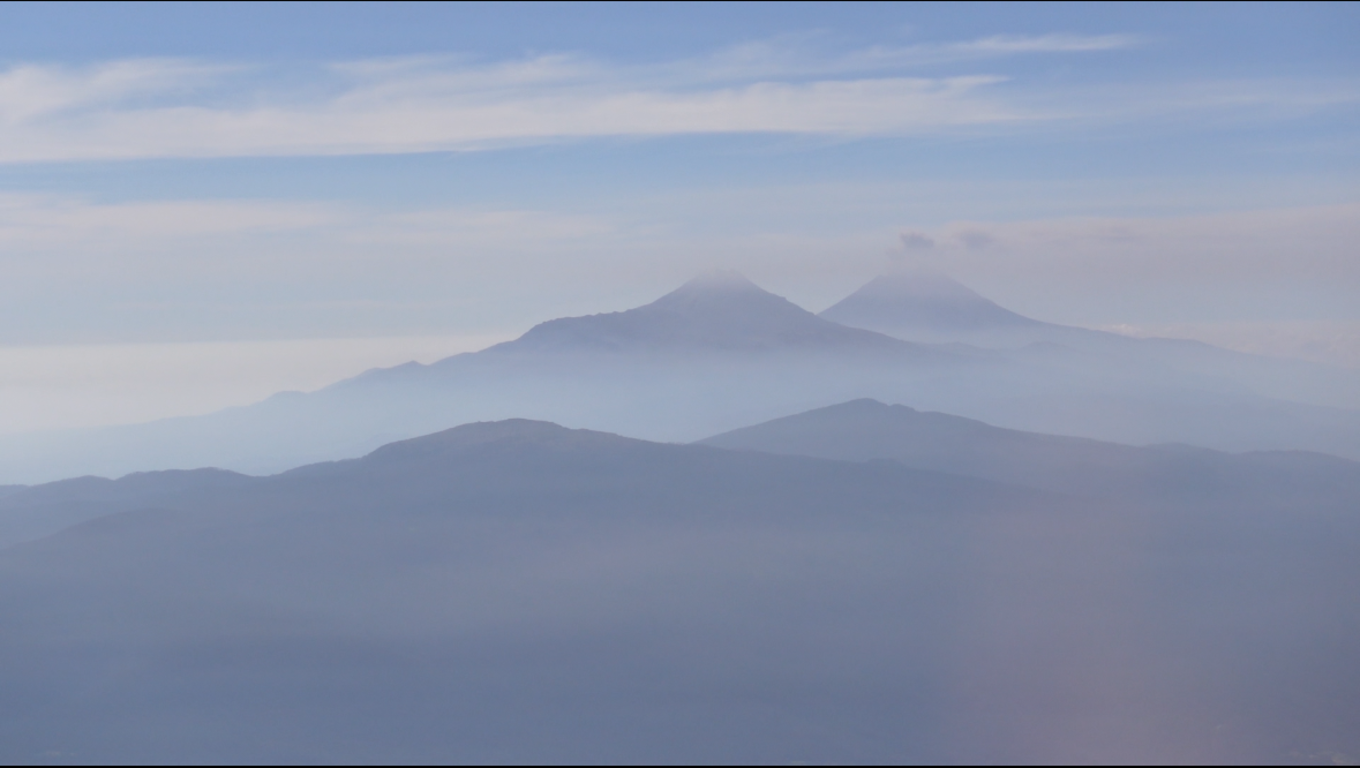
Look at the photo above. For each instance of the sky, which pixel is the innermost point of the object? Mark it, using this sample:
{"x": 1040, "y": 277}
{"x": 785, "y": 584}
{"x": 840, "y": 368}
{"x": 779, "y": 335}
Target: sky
{"x": 201, "y": 204}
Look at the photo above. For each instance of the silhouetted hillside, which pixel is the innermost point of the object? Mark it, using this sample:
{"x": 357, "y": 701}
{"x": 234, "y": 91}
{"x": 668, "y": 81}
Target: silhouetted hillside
{"x": 863, "y": 430}
{"x": 31, "y": 512}
{"x": 520, "y": 592}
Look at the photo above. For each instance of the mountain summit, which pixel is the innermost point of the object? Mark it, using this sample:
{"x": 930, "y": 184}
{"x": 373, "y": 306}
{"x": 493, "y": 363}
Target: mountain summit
{"x": 721, "y": 311}
{"x": 922, "y": 301}
{"x": 718, "y": 353}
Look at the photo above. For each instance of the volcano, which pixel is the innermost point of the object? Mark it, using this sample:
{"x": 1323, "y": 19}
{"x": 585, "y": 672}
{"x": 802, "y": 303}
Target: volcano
{"x": 922, "y": 301}
{"x": 718, "y": 311}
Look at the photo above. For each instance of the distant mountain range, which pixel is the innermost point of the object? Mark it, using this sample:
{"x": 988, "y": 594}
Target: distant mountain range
{"x": 976, "y": 578}
{"x": 521, "y": 592}
{"x": 857, "y": 431}
{"x": 33, "y": 512}
{"x": 720, "y": 353}
{"x": 864, "y": 430}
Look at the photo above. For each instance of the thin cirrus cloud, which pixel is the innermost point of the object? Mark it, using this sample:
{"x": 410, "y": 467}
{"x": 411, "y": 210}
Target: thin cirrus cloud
{"x": 51, "y": 237}
{"x": 792, "y": 56}
{"x": 174, "y": 108}
{"x": 51, "y": 224}
{"x": 32, "y": 93}
{"x": 48, "y": 220}
{"x": 1271, "y": 265}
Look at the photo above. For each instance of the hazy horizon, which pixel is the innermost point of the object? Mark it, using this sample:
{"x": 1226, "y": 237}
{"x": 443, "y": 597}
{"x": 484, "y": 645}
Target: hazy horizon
{"x": 869, "y": 383}
{"x": 171, "y": 178}
{"x": 49, "y": 387}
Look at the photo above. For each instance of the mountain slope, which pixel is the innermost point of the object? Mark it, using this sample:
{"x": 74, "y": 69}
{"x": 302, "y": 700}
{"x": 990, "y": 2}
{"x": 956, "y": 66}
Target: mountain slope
{"x": 932, "y": 308}
{"x": 717, "y": 354}
{"x": 720, "y": 311}
{"x": 863, "y": 430}
{"x": 922, "y": 302}
{"x": 519, "y": 592}
{"x": 28, "y": 513}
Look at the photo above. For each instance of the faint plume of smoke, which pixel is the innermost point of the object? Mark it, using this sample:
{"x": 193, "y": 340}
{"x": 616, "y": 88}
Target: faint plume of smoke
{"x": 916, "y": 241}
{"x": 914, "y": 244}
{"x": 975, "y": 239}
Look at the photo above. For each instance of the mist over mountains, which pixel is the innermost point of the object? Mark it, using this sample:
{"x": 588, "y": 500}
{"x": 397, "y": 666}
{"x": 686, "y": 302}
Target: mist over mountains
{"x": 720, "y": 353}
{"x": 716, "y": 312}
{"x": 930, "y": 307}
{"x": 819, "y": 577}
{"x": 925, "y": 303}
{"x": 865, "y": 430}
{"x": 520, "y": 592}
{"x": 494, "y": 490}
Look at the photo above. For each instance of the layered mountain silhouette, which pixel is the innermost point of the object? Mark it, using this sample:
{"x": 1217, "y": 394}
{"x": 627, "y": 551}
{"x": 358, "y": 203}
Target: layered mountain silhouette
{"x": 933, "y": 307}
{"x": 719, "y": 311}
{"x": 28, "y": 513}
{"x": 863, "y": 430}
{"x": 858, "y": 431}
{"x": 720, "y": 353}
{"x": 521, "y": 592}
{"x": 923, "y": 303}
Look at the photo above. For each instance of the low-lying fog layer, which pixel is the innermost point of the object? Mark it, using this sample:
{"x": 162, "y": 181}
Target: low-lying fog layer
{"x": 85, "y": 385}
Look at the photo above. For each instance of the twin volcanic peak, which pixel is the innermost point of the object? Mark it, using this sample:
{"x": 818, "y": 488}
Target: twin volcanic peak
{"x": 721, "y": 311}
{"x": 719, "y": 353}
{"x": 724, "y": 311}
{"x": 929, "y": 301}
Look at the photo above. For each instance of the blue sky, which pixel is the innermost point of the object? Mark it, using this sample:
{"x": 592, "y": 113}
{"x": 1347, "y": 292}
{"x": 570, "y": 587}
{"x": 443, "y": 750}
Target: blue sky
{"x": 207, "y": 173}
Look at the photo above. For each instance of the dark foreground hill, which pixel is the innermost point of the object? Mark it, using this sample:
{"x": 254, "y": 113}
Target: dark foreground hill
{"x": 520, "y": 592}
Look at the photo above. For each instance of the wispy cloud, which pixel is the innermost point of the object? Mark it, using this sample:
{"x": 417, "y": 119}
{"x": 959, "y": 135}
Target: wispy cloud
{"x": 423, "y": 113}
{"x": 804, "y": 55}
{"x": 50, "y": 387}
{"x": 46, "y": 223}
{"x": 33, "y": 93}
{"x": 231, "y": 268}
{"x": 28, "y": 221}
{"x": 1009, "y": 44}
{"x": 1305, "y": 244}
{"x": 1334, "y": 342}
{"x": 176, "y": 108}
{"x": 992, "y": 47}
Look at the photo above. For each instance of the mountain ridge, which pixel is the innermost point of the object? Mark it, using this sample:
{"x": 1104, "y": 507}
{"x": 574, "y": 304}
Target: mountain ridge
{"x": 866, "y": 429}
{"x": 719, "y": 353}
{"x": 522, "y": 592}
{"x": 926, "y": 300}
{"x": 716, "y": 311}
